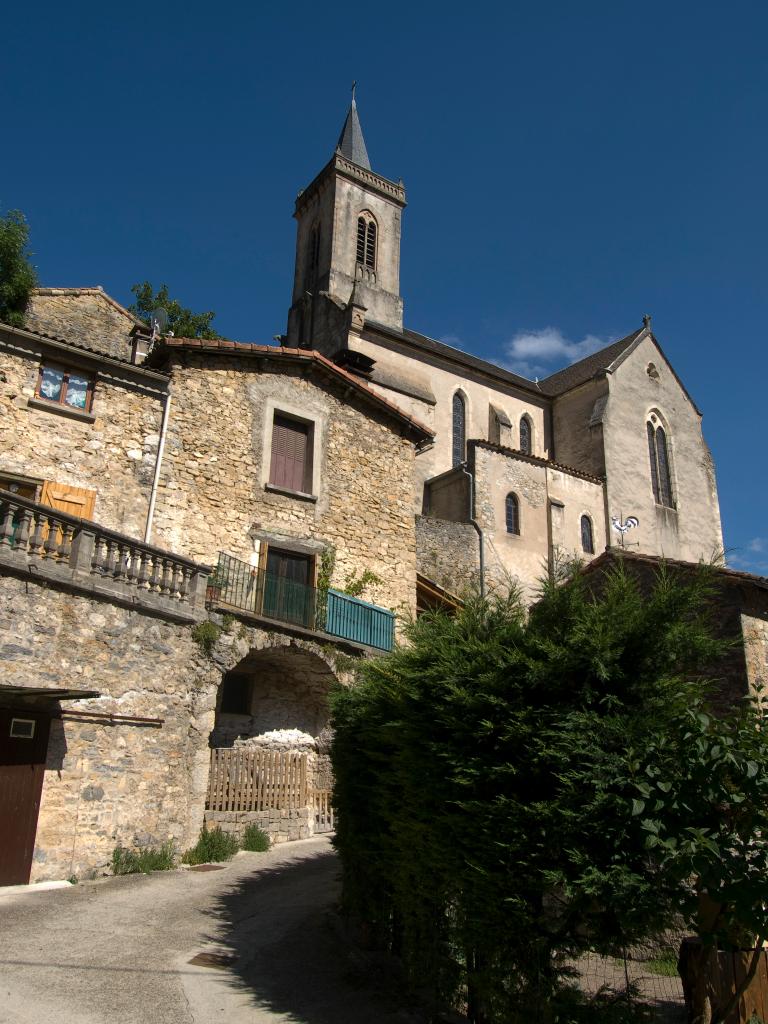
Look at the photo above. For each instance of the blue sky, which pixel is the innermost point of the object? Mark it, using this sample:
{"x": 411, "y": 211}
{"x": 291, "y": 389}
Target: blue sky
{"x": 568, "y": 168}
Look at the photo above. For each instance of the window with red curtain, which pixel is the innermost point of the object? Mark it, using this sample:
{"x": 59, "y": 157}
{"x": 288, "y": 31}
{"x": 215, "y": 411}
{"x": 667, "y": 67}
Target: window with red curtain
{"x": 291, "y": 454}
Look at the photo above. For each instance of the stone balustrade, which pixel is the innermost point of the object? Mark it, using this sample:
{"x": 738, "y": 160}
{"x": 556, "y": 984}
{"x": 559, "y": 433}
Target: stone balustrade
{"x": 44, "y": 542}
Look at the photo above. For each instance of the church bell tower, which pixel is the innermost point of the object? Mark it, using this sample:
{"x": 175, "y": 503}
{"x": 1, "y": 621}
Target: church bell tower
{"x": 347, "y": 247}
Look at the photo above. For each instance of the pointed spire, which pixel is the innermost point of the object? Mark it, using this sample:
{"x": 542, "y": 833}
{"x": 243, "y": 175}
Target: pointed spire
{"x": 351, "y": 143}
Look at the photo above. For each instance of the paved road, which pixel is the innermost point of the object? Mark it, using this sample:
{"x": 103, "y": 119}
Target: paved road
{"x": 117, "y": 951}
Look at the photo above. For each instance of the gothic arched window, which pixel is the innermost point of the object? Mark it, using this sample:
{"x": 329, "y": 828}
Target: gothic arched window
{"x": 459, "y": 428}
{"x": 661, "y": 477}
{"x": 513, "y": 513}
{"x": 366, "y": 240}
{"x": 587, "y": 539}
{"x": 525, "y": 436}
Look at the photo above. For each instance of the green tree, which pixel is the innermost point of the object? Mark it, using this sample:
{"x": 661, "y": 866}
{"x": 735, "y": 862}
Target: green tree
{"x": 515, "y": 790}
{"x": 182, "y": 321}
{"x": 17, "y": 275}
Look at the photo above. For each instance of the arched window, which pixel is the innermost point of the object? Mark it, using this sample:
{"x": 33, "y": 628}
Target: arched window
{"x": 513, "y": 514}
{"x": 313, "y": 253}
{"x": 587, "y": 539}
{"x": 525, "y": 435}
{"x": 459, "y": 428}
{"x": 366, "y": 240}
{"x": 661, "y": 478}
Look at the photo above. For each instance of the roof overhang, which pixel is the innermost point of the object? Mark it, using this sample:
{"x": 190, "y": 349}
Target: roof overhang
{"x": 47, "y": 692}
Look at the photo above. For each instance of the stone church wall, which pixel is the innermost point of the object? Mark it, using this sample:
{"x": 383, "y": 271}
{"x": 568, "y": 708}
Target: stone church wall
{"x": 692, "y": 530}
{"x": 113, "y": 455}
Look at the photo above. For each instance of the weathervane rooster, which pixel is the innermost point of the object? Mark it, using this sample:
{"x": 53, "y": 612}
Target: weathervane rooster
{"x": 629, "y": 523}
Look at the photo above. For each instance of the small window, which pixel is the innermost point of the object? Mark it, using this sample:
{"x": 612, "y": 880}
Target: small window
{"x": 661, "y": 477}
{"x": 525, "y": 436}
{"x": 459, "y": 428}
{"x": 587, "y": 539}
{"x": 291, "y": 465}
{"x": 366, "y": 240}
{"x": 236, "y": 695}
{"x": 23, "y": 728}
{"x": 70, "y": 388}
{"x": 513, "y": 514}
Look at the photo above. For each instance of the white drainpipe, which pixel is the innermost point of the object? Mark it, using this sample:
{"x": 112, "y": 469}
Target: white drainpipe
{"x": 158, "y": 463}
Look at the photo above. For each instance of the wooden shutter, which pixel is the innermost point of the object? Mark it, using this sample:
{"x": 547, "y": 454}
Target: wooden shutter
{"x": 76, "y": 501}
{"x": 289, "y": 454}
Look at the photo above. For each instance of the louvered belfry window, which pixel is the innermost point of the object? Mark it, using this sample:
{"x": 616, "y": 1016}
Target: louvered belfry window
{"x": 661, "y": 477}
{"x": 290, "y": 466}
{"x": 513, "y": 514}
{"x": 366, "y": 242}
{"x": 459, "y": 428}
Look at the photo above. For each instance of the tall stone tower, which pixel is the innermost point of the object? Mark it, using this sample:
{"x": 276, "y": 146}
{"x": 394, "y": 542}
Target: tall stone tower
{"x": 347, "y": 241}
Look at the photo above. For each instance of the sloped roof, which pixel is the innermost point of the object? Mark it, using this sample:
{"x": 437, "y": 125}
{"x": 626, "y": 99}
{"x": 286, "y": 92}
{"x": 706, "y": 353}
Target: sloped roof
{"x": 618, "y": 554}
{"x": 585, "y": 369}
{"x": 223, "y": 347}
{"x": 351, "y": 143}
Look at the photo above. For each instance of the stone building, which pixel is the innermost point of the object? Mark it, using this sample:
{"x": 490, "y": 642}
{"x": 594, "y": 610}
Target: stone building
{"x": 181, "y": 521}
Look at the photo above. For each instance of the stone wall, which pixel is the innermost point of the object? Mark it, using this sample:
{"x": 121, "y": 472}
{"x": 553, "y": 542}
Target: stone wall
{"x": 280, "y": 826}
{"x": 121, "y": 781}
{"x": 85, "y": 316}
{"x": 448, "y": 553}
{"x": 113, "y": 453}
{"x": 214, "y": 496}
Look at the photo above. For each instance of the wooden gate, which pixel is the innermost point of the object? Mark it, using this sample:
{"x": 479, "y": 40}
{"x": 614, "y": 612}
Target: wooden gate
{"x": 322, "y": 808}
{"x": 23, "y": 750}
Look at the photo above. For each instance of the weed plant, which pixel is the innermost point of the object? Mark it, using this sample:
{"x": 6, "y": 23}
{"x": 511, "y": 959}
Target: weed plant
{"x": 152, "y": 858}
{"x": 213, "y": 845}
{"x": 255, "y": 840}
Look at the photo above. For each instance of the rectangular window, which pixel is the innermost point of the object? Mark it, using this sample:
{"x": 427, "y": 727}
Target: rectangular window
{"x": 291, "y": 465}
{"x": 67, "y": 387}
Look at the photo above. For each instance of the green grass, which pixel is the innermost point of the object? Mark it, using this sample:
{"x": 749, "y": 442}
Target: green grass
{"x": 151, "y": 858}
{"x": 255, "y": 839}
{"x": 665, "y": 964}
{"x": 213, "y": 845}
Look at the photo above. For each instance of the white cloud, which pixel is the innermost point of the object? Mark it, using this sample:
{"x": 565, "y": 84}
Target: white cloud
{"x": 757, "y": 544}
{"x": 539, "y": 353}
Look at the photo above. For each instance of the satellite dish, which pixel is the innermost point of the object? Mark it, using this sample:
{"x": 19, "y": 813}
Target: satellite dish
{"x": 158, "y": 319}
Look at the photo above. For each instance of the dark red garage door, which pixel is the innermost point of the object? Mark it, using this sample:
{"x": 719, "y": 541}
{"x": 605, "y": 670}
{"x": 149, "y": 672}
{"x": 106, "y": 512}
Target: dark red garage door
{"x": 23, "y": 748}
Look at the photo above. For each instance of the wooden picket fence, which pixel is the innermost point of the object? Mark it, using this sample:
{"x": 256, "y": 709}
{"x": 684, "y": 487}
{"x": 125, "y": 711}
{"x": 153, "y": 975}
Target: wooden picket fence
{"x": 243, "y": 779}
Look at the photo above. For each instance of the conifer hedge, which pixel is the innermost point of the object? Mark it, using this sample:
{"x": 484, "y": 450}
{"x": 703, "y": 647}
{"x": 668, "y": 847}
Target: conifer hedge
{"x": 504, "y": 788}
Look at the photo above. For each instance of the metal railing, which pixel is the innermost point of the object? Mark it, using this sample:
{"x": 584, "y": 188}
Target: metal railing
{"x": 237, "y": 584}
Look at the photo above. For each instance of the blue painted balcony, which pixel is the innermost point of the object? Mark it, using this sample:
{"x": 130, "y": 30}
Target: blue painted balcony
{"x": 236, "y": 584}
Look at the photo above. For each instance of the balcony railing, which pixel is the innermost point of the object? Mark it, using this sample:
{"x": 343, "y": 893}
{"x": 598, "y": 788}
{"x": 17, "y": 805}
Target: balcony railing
{"x": 93, "y": 558}
{"x": 237, "y": 584}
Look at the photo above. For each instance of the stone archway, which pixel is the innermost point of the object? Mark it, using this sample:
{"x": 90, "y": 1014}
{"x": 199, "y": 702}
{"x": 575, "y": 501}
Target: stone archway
{"x": 274, "y": 690}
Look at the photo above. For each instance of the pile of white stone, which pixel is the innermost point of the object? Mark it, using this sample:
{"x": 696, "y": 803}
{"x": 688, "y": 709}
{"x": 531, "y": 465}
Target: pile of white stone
{"x": 279, "y": 739}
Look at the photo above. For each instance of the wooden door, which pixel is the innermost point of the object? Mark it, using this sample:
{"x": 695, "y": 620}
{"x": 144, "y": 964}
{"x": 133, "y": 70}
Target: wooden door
{"x": 287, "y": 593}
{"x": 76, "y": 501}
{"x": 23, "y": 751}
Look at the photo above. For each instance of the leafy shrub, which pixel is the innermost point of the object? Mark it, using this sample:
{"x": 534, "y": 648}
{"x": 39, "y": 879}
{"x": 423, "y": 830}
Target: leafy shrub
{"x": 151, "y": 858}
{"x": 213, "y": 845}
{"x": 255, "y": 839}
